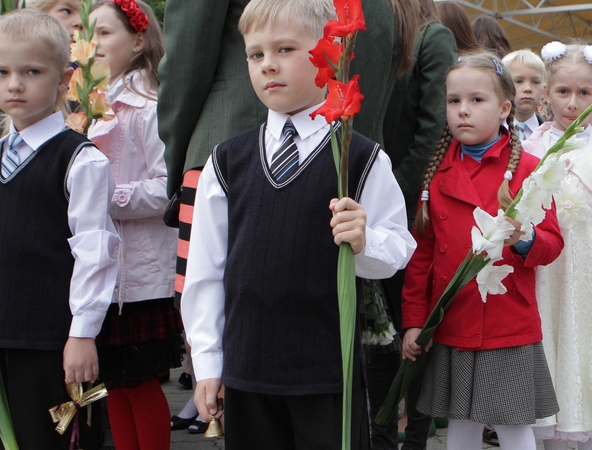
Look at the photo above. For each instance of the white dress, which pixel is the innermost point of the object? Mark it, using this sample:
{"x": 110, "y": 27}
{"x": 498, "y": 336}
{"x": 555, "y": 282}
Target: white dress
{"x": 564, "y": 294}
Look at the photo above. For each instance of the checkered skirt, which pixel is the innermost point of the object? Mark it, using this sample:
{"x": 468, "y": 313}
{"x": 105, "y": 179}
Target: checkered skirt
{"x": 506, "y": 386}
{"x": 141, "y": 343}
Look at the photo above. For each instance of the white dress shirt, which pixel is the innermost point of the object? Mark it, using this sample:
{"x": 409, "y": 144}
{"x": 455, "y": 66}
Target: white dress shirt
{"x": 389, "y": 244}
{"x": 531, "y": 124}
{"x": 90, "y": 186}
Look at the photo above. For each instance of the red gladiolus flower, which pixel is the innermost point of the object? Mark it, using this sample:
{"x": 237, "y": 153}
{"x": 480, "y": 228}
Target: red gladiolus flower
{"x": 324, "y": 49}
{"x": 350, "y": 18}
{"x": 343, "y": 101}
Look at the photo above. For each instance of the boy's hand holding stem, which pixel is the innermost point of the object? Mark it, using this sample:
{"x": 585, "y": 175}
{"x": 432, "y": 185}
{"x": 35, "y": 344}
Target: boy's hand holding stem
{"x": 348, "y": 223}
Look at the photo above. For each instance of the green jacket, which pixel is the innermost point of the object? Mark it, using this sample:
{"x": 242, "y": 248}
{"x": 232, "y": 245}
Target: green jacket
{"x": 377, "y": 56}
{"x": 416, "y": 113}
{"x": 205, "y": 94}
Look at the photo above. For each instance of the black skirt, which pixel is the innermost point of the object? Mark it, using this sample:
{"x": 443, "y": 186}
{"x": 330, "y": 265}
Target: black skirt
{"x": 506, "y": 386}
{"x": 141, "y": 344}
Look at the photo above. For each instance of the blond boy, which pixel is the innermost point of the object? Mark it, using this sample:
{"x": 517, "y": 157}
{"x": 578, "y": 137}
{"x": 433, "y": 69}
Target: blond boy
{"x": 260, "y": 298}
{"x": 528, "y": 73}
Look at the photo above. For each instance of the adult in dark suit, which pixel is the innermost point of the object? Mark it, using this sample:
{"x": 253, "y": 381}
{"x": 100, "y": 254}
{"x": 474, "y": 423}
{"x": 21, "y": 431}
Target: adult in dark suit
{"x": 205, "y": 94}
{"x": 415, "y": 119}
{"x": 383, "y": 52}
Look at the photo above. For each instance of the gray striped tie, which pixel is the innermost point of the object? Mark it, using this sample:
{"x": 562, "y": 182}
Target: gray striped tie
{"x": 10, "y": 158}
{"x": 284, "y": 161}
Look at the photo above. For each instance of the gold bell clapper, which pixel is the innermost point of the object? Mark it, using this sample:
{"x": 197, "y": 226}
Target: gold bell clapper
{"x": 214, "y": 429}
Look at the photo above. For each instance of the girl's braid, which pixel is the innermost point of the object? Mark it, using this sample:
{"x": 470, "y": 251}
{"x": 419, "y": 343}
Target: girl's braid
{"x": 504, "y": 195}
{"x": 423, "y": 216}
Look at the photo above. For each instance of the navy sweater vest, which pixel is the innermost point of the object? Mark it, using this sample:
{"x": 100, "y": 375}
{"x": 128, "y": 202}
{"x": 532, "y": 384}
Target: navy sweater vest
{"x": 35, "y": 258}
{"x": 282, "y": 323}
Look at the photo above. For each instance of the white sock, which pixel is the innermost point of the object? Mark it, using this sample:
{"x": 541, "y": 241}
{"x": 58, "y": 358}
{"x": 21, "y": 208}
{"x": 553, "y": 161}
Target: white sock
{"x": 189, "y": 411}
{"x": 464, "y": 435}
{"x": 516, "y": 437}
{"x": 550, "y": 444}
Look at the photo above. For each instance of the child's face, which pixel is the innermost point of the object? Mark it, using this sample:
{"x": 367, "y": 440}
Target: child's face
{"x": 29, "y": 81}
{"x": 68, "y": 14}
{"x": 117, "y": 45}
{"x": 570, "y": 92}
{"x": 473, "y": 108}
{"x": 281, "y": 72}
{"x": 529, "y": 89}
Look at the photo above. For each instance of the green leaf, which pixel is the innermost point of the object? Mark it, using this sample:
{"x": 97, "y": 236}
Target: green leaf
{"x": 346, "y": 294}
{"x": 469, "y": 268}
{"x": 6, "y": 430}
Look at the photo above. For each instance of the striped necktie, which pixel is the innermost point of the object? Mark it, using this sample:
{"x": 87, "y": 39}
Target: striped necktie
{"x": 520, "y": 130}
{"x": 284, "y": 161}
{"x": 10, "y": 158}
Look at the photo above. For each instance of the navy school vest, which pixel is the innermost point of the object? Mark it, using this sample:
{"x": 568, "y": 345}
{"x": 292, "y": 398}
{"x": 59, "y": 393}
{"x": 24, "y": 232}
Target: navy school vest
{"x": 281, "y": 333}
{"x": 35, "y": 258}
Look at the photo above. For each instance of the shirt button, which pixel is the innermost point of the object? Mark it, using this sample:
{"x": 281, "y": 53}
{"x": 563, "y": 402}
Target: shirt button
{"x": 443, "y": 248}
{"x": 122, "y": 198}
{"x": 444, "y": 215}
{"x": 443, "y": 280}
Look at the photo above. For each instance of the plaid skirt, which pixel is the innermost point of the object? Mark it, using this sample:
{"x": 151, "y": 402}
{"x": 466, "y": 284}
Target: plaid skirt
{"x": 506, "y": 386}
{"x": 141, "y": 344}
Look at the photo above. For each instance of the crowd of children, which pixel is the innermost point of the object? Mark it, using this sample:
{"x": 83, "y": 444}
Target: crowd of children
{"x": 87, "y": 265}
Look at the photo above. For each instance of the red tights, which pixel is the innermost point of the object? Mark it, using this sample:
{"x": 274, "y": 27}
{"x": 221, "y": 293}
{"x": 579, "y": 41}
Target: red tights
{"x": 140, "y": 417}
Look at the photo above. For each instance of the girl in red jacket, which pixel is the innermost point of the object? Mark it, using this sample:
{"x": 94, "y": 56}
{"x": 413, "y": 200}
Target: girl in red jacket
{"x": 487, "y": 364}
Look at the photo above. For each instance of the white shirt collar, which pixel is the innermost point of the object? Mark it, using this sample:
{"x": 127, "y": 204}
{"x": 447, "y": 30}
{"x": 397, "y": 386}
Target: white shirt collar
{"x": 40, "y": 132}
{"x": 532, "y": 123}
{"x": 555, "y": 134}
{"x": 305, "y": 125}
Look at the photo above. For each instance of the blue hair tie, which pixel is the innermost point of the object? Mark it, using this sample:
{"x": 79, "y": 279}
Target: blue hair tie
{"x": 498, "y": 67}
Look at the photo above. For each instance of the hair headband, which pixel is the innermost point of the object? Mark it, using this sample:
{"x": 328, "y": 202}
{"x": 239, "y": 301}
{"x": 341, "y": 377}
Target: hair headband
{"x": 137, "y": 17}
{"x": 555, "y": 50}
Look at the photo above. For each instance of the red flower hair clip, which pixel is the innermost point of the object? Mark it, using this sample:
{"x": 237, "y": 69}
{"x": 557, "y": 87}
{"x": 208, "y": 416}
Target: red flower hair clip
{"x": 137, "y": 17}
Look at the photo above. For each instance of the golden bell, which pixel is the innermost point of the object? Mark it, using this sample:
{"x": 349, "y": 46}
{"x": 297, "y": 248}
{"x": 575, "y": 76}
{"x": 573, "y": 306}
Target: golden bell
{"x": 214, "y": 429}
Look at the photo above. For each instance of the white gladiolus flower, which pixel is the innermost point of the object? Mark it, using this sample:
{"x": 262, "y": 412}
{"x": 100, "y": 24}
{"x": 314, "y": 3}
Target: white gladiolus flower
{"x": 490, "y": 233}
{"x": 573, "y": 143}
{"x": 548, "y": 177}
{"x": 529, "y": 207}
{"x": 489, "y": 279}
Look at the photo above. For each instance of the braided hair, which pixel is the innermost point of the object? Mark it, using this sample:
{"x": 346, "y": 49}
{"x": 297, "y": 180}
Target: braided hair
{"x": 505, "y": 89}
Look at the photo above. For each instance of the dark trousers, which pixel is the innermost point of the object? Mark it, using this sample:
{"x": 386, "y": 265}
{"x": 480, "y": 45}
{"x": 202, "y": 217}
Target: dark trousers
{"x": 418, "y": 424}
{"x": 381, "y": 368}
{"x": 303, "y": 422}
{"x": 34, "y": 383}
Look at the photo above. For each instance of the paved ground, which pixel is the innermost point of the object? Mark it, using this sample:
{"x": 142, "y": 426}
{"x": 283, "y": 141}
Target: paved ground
{"x": 182, "y": 440}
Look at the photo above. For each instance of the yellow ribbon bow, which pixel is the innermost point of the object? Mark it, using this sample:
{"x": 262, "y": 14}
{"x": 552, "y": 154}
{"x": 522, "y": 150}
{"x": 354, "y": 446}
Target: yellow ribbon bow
{"x": 65, "y": 412}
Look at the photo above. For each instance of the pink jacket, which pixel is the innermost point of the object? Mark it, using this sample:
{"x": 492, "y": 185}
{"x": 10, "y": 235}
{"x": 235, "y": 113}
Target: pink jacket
{"x": 537, "y": 143}
{"x": 147, "y": 253}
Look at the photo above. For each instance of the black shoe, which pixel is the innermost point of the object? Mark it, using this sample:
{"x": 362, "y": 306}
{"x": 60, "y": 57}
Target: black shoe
{"x": 185, "y": 380}
{"x": 197, "y": 427}
{"x": 179, "y": 423}
{"x": 490, "y": 436}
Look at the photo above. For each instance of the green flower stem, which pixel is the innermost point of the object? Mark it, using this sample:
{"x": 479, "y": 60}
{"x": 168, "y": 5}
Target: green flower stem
{"x": 469, "y": 268}
{"x": 6, "y": 430}
{"x": 7, "y": 6}
{"x": 346, "y": 293}
{"x": 569, "y": 132}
